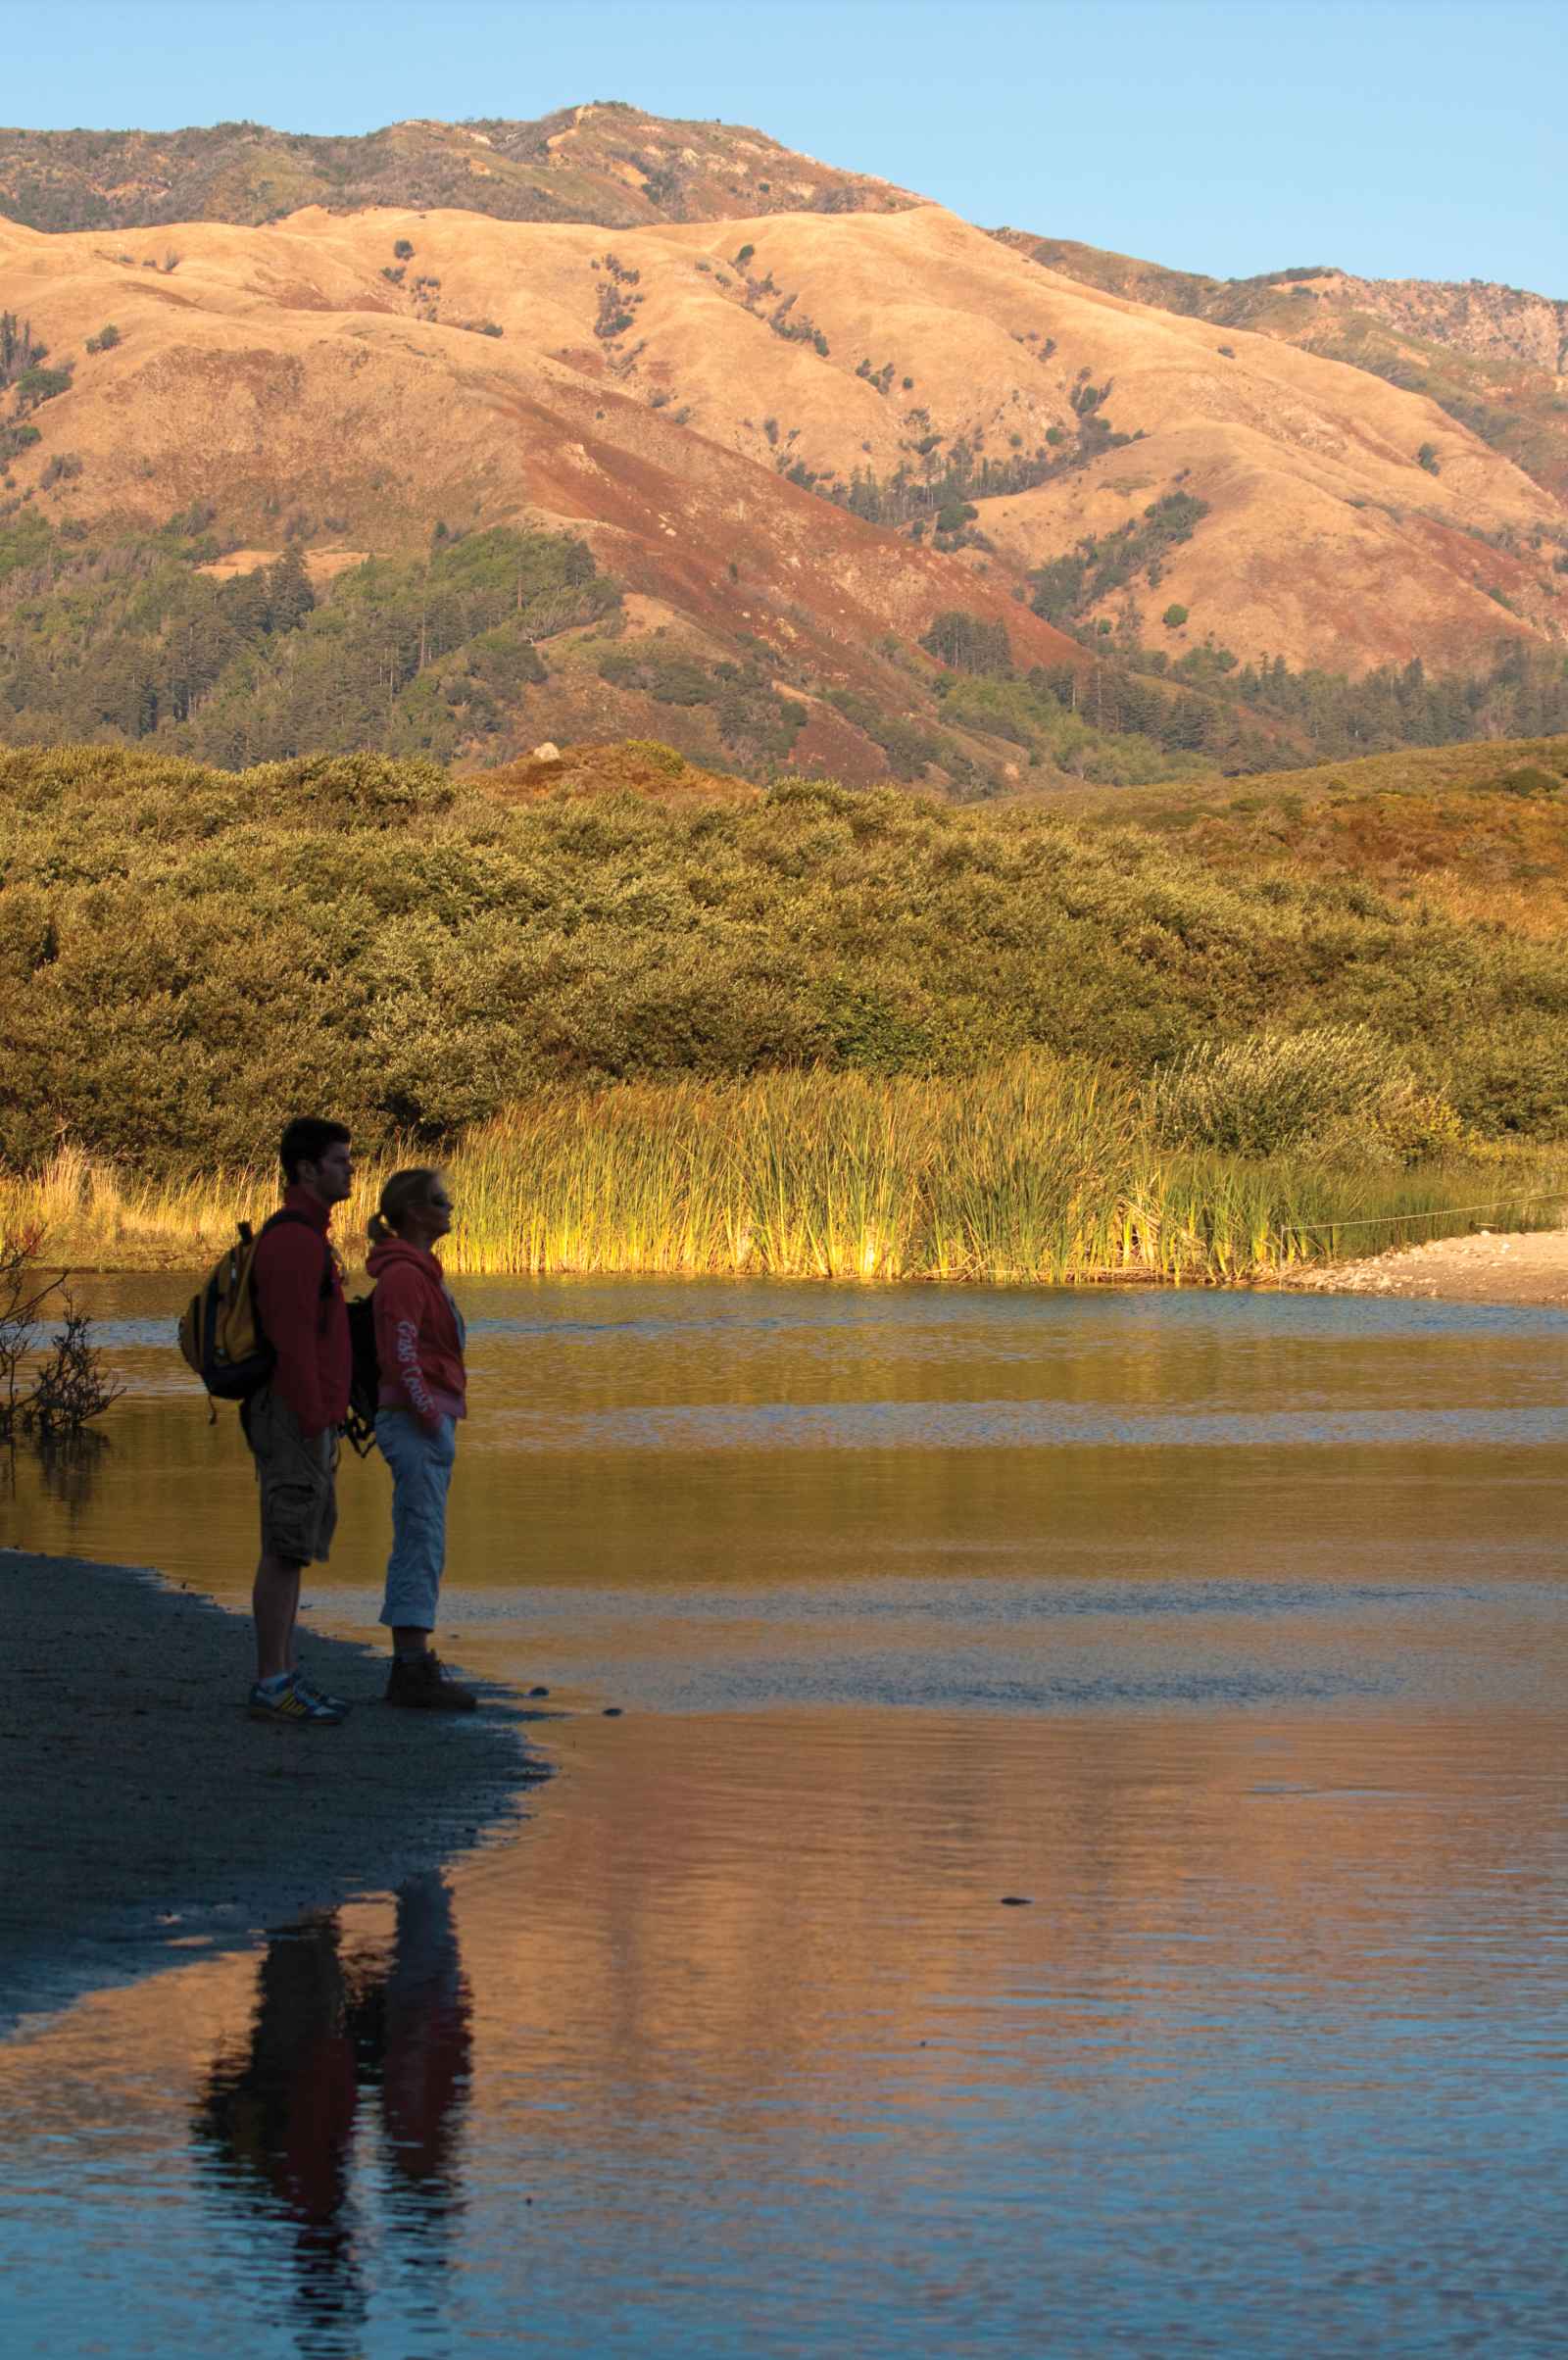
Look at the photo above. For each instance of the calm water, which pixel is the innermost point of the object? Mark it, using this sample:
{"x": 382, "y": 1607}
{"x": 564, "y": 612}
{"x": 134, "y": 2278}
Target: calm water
{"x": 1228, "y": 1632}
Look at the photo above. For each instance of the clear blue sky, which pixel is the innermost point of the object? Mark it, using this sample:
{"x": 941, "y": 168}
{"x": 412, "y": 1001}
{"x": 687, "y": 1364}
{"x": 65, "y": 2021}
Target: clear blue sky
{"x": 1394, "y": 137}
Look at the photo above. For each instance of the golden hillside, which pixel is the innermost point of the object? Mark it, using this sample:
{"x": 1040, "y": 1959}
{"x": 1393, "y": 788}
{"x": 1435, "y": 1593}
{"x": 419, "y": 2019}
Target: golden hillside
{"x": 652, "y": 387}
{"x": 1492, "y": 356}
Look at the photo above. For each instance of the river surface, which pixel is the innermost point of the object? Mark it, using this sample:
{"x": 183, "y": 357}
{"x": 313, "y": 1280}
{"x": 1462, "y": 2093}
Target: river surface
{"x": 1079, "y": 1869}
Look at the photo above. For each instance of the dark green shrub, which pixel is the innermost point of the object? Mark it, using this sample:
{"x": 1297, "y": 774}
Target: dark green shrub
{"x": 671, "y": 679}
{"x": 1529, "y": 780}
{"x": 37, "y": 386}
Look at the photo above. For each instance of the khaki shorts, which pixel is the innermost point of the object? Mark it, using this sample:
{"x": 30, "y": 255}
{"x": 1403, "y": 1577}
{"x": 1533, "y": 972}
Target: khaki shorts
{"x": 297, "y": 1479}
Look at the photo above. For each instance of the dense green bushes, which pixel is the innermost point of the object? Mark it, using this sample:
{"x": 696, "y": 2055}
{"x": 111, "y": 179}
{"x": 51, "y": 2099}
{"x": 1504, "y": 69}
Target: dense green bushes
{"x": 186, "y": 957}
{"x": 1028, "y": 713}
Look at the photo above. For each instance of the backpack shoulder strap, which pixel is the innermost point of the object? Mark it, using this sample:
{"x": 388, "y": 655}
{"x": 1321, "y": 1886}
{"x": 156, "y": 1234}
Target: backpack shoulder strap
{"x": 287, "y": 1213}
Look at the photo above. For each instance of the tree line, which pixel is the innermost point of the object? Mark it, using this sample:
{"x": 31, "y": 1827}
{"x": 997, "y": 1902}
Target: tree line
{"x": 128, "y": 635}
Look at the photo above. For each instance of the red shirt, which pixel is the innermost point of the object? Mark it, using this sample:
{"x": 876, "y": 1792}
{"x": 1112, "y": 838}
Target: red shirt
{"x": 418, "y": 1334}
{"x": 304, "y": 1320}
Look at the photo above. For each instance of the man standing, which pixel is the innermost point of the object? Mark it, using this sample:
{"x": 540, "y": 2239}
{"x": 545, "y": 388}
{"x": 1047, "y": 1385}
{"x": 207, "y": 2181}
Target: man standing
{"x": 291, "y": 1424}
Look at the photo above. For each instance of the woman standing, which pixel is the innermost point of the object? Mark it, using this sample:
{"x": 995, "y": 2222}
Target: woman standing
{"x": 419, "y": 1343}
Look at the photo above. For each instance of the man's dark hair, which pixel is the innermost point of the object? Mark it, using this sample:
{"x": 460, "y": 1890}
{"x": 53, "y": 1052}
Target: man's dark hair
{"x": 306, "y": 1139}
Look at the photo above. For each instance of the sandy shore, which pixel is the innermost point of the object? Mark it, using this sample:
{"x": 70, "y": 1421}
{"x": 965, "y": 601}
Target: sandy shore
{"x": 146, "y": 1815}
{"x": 1526, "y": 1269}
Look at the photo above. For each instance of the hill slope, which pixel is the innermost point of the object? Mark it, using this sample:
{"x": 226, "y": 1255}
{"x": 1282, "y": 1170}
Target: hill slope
{"x": 842, "y": 444}
{"x": 1494, "y": 358}
{"x": 660, "y": 393}
{"x": 1478, "y": 831}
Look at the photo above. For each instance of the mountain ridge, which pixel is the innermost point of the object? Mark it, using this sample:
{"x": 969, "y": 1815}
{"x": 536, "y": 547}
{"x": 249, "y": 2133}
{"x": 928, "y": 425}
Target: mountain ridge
{"x": 604, "y": 161}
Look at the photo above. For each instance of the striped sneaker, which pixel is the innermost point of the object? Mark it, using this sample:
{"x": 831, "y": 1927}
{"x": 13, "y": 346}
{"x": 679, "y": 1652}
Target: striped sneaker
{"x": 322, "y": 1695}
{"x": 293, "y": 1705}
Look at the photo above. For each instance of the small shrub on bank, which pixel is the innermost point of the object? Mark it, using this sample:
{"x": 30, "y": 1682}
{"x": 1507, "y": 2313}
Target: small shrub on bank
{"x": 53, "y": 1392}
{"x": 1335, "y": 1089}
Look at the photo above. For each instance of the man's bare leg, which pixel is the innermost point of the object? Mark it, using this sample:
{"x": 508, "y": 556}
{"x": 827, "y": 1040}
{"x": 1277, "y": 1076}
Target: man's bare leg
{"x": 275, "y": 1602}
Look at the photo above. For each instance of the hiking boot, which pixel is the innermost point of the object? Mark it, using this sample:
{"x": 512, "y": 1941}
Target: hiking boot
{"x": 424, "y": 1681}
{"x": 320, "y": 1695}
{"x": 294, "y": 1705}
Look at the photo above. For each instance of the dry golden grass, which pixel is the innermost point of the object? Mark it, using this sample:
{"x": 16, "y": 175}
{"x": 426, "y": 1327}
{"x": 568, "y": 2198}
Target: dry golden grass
{"x": 1037, "y": 1173}
{"x": 92, "y": 1215}
{"x": 1432, "y": 771}
{"x": 1437, "y": 824}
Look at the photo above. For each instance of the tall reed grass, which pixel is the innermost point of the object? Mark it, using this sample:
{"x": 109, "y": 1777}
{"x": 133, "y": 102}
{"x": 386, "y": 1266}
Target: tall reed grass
{"x": 1041, "y": 1172}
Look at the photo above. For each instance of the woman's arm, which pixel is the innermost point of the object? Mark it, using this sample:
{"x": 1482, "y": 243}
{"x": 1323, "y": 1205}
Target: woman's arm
{"x": 400, "y": 1303}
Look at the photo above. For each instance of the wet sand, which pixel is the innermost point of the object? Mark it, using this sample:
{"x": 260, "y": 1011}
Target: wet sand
{"x": 148, "y": 1818}
{"x": 1528, "y": 1268}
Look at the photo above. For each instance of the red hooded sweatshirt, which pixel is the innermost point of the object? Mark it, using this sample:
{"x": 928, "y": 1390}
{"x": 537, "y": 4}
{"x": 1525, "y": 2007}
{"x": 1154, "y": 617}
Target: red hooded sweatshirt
{"x": 299, "y": 1299}
{"x": 418, "y": 1334}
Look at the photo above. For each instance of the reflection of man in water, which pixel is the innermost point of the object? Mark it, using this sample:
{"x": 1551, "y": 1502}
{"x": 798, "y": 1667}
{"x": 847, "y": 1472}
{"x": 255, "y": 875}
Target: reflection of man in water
{"x": 280, "y": 2116}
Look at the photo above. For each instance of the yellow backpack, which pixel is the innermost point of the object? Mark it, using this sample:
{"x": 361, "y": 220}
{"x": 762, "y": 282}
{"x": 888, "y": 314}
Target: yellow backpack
{"x": 221, "y": 1334}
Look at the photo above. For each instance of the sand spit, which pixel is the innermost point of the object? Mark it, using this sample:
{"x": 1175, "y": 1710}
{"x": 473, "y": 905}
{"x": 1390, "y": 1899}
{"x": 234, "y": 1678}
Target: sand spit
{"x": 147, "y": 1817}
{"x": 1526, "y": 1269}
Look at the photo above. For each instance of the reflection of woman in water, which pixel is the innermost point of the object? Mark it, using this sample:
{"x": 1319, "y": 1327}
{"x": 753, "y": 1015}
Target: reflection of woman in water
{"x": 427, "y": 2043}
{"x": 280, "y": 2116}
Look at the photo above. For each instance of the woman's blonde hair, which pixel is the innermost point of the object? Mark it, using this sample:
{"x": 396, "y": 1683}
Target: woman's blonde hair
{"x": 403, "y": 1193}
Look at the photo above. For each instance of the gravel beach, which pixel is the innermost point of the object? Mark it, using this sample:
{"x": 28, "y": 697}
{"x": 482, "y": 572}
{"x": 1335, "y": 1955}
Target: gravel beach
{"x": 1526, "y": 1269}
{"x": 147, "y": 1816}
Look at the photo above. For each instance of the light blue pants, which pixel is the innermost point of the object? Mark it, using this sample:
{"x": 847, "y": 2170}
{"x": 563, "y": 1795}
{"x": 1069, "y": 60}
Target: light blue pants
{"x": 422, "y": 1472}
